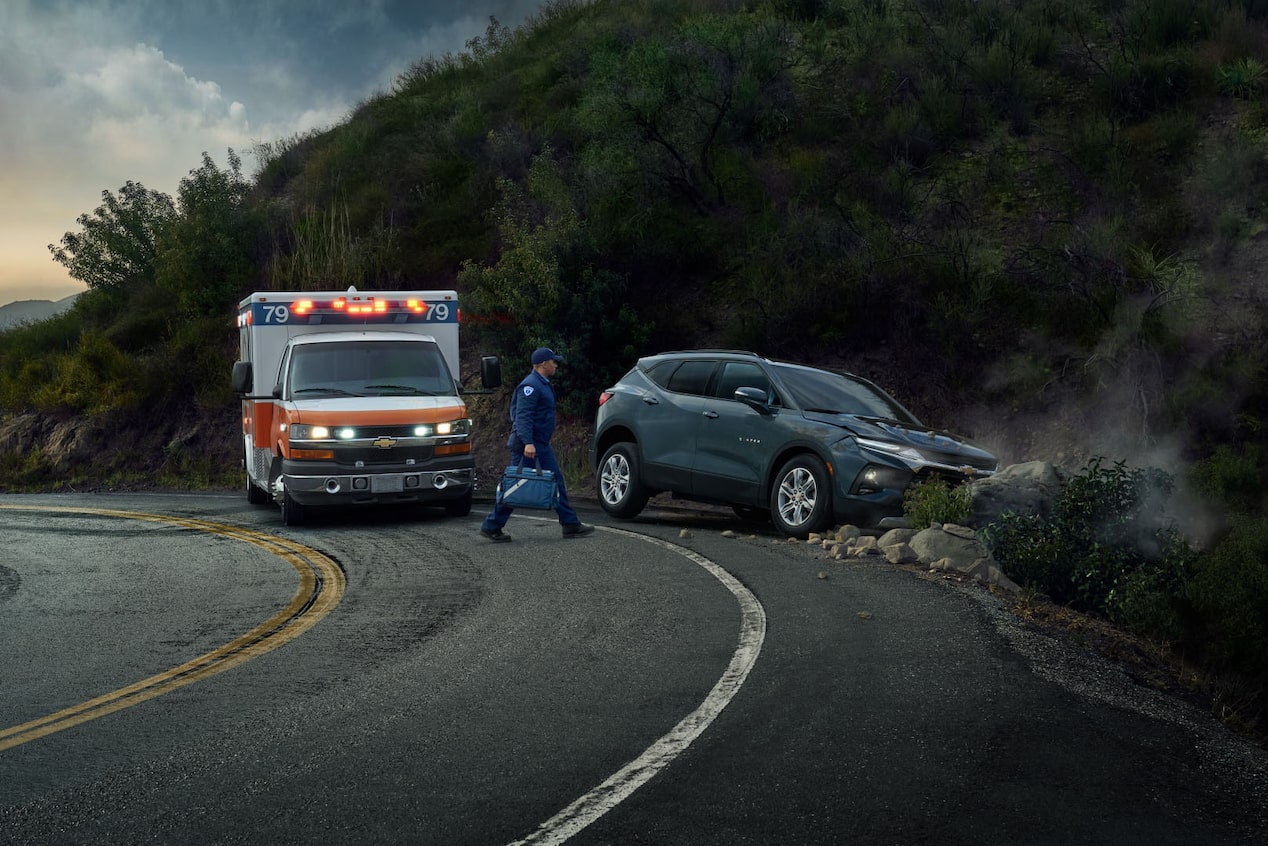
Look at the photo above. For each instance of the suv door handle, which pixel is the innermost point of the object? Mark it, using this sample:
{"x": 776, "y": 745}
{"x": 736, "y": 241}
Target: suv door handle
{"x": 712, "y": 415}
{"x": 651, "y": 400}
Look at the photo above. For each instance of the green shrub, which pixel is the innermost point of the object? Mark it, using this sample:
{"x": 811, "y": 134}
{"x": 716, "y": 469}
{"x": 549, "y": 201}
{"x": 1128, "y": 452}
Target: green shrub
{"x": 1104, "y": 550}
{"x": 1233, "y": 476}
{"x": 1229, "y": 596}
{"x": 936, "y": 501}
{"x": 1244, "y": 79}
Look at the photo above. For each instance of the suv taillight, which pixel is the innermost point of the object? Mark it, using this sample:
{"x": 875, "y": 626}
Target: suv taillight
{"x": 604, "y": 397}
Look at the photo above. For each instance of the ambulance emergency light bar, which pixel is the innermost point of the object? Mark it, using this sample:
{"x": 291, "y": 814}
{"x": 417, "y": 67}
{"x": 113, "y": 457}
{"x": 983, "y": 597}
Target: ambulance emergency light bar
{"x": 266, "y": 311}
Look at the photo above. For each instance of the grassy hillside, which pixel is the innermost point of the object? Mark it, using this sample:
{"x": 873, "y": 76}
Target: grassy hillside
{"x": 1039, "y": 222}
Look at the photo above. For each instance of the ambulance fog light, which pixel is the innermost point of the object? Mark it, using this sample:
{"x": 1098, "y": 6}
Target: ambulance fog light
{"x": 360, "y": 483}
{"x": 332, "y": 486}
{"x": 411, "y": 481}
{"x": 440, "y": 481}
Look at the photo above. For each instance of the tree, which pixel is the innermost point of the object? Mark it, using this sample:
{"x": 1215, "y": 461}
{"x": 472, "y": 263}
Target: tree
{"x": 677, "y": 104}
{"x": 116, "y": 249}
{"x": 205, "y": 256}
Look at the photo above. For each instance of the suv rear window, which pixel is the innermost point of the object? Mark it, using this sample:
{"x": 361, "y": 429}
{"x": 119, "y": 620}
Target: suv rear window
{"x": 691, "y": 377}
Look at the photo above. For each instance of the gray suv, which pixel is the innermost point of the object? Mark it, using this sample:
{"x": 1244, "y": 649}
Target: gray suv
{"x": 801, "y": 446}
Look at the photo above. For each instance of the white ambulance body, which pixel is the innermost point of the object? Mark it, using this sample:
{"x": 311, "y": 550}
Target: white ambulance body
{"x": 353, "y": 398}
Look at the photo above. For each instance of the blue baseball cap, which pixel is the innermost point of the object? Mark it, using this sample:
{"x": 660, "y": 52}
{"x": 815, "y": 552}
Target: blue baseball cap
{"x": 541, "y": 355}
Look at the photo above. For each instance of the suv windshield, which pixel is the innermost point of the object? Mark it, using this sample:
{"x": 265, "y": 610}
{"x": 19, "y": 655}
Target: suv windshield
{"x": 820, "y": 390}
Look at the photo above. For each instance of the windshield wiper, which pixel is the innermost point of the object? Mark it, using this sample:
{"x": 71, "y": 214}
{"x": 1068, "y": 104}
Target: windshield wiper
{"x": 338, "y": 391}
{"x": 406, "y": 389}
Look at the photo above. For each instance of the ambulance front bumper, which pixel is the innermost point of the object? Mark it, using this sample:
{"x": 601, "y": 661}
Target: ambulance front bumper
{"x": 438, "y": 485}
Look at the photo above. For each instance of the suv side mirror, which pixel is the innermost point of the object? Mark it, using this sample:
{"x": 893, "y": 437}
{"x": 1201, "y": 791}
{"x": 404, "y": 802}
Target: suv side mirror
{"x": 754, "y": 398}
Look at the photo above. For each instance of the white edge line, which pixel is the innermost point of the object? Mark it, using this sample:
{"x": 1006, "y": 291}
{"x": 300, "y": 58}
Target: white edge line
{"x": 660, "y": 754}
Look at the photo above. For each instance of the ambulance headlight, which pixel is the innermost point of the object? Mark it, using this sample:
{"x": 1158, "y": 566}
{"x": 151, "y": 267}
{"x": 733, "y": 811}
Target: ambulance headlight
{"x": 309, "y": 433}
{"x": 445, "y": 429}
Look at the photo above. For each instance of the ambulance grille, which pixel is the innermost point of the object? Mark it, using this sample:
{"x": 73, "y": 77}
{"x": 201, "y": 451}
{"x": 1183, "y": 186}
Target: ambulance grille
{"x": 373, "y": 456}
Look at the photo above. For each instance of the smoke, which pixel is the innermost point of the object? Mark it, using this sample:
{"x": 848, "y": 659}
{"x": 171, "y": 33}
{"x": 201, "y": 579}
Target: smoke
{"x": 1109, "y": 408}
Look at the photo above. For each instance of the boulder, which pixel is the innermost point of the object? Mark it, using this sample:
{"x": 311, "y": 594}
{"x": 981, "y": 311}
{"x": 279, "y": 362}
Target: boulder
{"x": 894, "y": 536}
{"x": 936, "y": 543}
{"x": 1028, "y": 488}
{"x": 900, "y": 553}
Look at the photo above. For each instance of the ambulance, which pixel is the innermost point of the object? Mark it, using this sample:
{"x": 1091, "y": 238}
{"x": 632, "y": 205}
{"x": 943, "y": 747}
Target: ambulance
{"x": 353, "y": 398}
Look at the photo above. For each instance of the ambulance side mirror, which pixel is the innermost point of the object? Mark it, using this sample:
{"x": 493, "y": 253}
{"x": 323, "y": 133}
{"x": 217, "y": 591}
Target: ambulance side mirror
{"x": 490, "y": 372}
{"x": 242, "y": 377}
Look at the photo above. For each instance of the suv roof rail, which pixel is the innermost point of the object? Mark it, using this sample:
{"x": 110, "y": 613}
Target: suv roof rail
{"x": 708, "y": 351}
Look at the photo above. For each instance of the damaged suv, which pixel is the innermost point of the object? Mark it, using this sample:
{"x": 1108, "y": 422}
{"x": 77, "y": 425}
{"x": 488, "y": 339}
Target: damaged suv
{"x": 801, "y": 446}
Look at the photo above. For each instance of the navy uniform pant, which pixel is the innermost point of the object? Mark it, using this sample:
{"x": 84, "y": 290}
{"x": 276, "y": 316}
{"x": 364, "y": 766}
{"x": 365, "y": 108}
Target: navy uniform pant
{"x": 546, "y": 459}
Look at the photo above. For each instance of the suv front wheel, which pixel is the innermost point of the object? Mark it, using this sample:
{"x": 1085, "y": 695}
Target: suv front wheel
{"x": 621, "y": 491}
{"x": 800, "y": 501}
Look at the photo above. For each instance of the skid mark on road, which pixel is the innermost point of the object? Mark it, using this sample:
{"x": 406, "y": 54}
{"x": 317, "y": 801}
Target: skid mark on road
{"x": 321, "y": 587}
{"x": 660, "y": 754}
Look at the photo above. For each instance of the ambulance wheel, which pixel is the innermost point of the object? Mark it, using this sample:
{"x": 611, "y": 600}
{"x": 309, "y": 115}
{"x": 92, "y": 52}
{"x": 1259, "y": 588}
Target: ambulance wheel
{"x": 619, "y": 482}
{"x": 293, "y": 514}
{"x": 459, "y": 507}
{"x": 256, "y": 495}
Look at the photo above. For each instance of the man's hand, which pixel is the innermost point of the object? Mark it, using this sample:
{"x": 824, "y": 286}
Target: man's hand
{"x": 530, "y": 451}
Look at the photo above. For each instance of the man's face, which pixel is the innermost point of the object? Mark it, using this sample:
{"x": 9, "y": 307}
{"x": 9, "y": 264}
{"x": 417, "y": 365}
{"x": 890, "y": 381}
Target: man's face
{"x": 548, "y": 367}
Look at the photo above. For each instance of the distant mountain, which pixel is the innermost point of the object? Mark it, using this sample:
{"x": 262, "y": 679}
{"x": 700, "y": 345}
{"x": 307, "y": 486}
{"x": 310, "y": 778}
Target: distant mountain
{"x": 32, "y": 311}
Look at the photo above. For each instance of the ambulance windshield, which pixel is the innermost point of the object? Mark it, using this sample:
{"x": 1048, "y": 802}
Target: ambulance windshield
{"x": 369, "y": 368}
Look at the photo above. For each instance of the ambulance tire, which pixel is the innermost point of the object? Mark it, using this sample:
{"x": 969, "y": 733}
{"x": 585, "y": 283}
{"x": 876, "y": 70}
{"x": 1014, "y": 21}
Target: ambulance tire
{"x": 256, "y": 495}
{"x": 293, "y": 514}
{"x": 459, "y": 507}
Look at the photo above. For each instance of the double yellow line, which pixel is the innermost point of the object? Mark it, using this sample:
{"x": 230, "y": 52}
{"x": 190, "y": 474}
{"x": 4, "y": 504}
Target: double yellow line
{"x": 321, "y": 587}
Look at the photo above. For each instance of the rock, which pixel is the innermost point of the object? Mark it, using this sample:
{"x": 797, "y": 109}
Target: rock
{"x": 936, "y": 544}
{"x": 685, "y": 534}
{"x": 862, "y": 546}
{"x": 984, "y": 570}
{"x": 900, "y": 553}
{"x": 728, "y": 534}
{"x": 847, "y": 533}
{"x": 1028, "y": 488}
{"x": 894, "y": 536}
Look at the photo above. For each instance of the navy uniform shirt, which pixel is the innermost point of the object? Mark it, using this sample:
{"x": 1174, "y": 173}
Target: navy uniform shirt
{"x": 532, "y": 412}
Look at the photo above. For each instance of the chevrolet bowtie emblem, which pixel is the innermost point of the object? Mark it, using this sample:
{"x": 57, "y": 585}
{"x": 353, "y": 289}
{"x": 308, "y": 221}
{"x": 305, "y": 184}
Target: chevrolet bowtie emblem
{"x": 384, "y": 443}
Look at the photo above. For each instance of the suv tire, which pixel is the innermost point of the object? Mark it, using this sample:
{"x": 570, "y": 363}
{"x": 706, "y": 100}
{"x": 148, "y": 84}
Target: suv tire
{"x": 801, "y": 498}
{"x": 619, "y": 482}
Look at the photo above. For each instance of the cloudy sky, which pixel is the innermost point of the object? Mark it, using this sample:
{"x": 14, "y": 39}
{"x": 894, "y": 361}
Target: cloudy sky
{"x": 94, "y": 93}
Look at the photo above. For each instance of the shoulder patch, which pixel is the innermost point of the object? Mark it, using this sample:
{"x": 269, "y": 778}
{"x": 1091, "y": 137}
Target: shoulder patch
{"x": 528, "y": 390}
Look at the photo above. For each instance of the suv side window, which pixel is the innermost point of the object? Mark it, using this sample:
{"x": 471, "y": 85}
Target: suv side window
{"x": 661, "y": 372}
{"x": 692, "y": 378}
{"x": 741, "y": 374}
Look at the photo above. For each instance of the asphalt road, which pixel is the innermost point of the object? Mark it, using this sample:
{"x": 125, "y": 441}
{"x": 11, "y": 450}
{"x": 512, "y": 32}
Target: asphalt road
{"x": 195, "y": 672}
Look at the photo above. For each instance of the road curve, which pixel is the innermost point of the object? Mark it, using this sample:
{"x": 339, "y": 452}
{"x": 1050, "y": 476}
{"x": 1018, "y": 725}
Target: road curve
{"x": 321, "y": 586}
{"x": 465, "y": 693}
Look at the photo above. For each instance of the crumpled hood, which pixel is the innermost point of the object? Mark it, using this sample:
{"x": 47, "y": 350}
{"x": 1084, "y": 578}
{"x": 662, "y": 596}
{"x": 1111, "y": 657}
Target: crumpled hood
{"x": 939, "y": 446}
